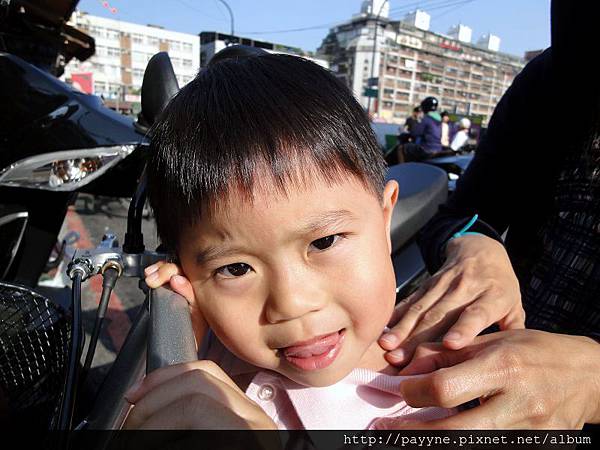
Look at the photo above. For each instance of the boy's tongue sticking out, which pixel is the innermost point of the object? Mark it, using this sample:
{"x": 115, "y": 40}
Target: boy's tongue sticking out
{"x": 316, "y": 353}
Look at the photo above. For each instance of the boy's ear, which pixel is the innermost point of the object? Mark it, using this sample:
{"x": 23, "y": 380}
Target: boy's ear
{"x": 390, "y": 197}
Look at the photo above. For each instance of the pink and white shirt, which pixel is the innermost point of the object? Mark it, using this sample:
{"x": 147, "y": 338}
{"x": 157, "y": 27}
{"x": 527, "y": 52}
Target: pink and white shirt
{"x": 353, "y": 403}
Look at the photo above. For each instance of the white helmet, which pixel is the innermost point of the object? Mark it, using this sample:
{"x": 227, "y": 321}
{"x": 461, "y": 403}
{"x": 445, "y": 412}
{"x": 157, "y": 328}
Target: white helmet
{"x": 464, "y": 123}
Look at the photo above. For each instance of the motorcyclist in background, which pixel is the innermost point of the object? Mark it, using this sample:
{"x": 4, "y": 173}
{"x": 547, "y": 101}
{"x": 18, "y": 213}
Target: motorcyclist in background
{"x": 462, "y": 136}
{"x": 427, "y": 134}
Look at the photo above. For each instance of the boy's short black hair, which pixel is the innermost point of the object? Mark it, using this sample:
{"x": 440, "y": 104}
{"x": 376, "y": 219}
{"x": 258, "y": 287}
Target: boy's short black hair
{"x": 239, "y": 117}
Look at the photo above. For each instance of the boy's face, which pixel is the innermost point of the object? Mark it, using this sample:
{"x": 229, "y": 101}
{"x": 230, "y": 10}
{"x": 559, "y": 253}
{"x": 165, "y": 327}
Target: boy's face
{"x": 302, "y": 284}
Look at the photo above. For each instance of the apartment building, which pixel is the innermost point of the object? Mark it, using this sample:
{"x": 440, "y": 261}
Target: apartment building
{"x": 122, "y": 53}
{"x": 391, "y": 65}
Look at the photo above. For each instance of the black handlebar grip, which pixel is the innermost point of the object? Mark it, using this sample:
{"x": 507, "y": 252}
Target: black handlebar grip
{"x": 170, "y": 335}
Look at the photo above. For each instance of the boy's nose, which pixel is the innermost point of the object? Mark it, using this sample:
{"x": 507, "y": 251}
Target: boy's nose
{"x": 291, "y": 297}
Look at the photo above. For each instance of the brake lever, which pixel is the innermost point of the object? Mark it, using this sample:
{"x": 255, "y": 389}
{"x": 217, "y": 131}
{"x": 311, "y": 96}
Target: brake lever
{"x": 92, "y": 262}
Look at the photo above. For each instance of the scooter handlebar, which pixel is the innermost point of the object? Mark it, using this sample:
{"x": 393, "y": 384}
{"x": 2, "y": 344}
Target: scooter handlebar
{"x": 171, "y": 336}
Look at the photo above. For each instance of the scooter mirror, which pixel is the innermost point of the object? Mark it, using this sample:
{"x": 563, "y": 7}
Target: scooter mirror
{"x": 158, "y": 87}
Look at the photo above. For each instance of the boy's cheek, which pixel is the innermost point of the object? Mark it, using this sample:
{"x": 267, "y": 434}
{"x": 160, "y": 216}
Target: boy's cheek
{"x": 245, "y": 343}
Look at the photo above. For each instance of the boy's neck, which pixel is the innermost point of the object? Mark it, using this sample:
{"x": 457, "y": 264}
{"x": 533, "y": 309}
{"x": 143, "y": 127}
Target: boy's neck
{"x": 373, "y": 359}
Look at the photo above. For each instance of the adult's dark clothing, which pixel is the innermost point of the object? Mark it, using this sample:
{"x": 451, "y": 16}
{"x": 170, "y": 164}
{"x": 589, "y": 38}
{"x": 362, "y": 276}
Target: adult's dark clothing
{"x": 540, "y": 184}
{"x": 428, "y": 133}
{"x": 410, "y": 123}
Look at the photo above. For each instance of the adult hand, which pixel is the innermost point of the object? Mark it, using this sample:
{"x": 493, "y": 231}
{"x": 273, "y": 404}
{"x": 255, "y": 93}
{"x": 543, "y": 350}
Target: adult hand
{"x": 523, "y": 379}
{"x": 475, "y": 288}
{"x": 195, "y": 395}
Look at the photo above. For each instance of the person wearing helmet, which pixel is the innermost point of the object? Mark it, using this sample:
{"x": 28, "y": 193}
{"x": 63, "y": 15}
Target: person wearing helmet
{"x": 462, "y": 135}
{"x": 428, "y": 133}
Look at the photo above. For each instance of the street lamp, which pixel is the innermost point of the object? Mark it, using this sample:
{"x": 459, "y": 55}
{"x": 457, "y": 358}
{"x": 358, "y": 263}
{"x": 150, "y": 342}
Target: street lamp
{"x": 373, "y": 55}
{"x": 230, "y": 16}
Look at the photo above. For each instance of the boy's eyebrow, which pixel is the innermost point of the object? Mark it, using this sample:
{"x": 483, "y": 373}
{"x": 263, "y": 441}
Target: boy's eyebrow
{"x": 326, "y": 220}
{"x": 313, "y": 224}
{"x": 213, "y": 252}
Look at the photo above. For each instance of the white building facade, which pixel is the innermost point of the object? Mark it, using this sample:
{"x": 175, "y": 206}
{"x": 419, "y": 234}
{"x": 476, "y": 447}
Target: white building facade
{"x": 122, "y": 53}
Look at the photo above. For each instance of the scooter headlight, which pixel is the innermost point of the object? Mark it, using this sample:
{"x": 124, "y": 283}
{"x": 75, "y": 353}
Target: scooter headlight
{"x": 63, "y": 171}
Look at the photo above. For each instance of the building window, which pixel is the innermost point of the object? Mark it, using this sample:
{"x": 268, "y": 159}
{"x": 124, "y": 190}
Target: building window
{"x": 187, "y": 47}
{"x": 137, "y": 38}
{"x": 111, "y": 71}
{"x": 112, "y": 34}
{"x": 138, "y": 57}
{"x": 99, "y": 88}
{"x": 152, "y": 40}
{"x": 113, "y": 51}
{"x": 98, "y": 32}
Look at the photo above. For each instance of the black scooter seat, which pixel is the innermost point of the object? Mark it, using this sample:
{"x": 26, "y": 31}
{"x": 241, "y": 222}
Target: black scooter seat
{"x": 422, "y": 189}
{"x": 459, "y": 161}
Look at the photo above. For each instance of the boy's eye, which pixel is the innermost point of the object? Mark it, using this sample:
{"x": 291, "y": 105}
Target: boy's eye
{"x": 234, "y": 270}
{"x": 326, "y": 242}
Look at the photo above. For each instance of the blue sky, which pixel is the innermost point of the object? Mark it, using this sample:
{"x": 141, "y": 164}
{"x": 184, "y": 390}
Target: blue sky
{"x": 521, "y": 24}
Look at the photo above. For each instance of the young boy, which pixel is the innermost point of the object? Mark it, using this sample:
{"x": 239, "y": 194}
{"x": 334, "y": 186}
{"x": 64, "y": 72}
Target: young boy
{"x": 268, "y": 185}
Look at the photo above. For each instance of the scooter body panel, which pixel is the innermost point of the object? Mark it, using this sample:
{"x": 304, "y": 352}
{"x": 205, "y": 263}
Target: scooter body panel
{"x": 40, "y": 114}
